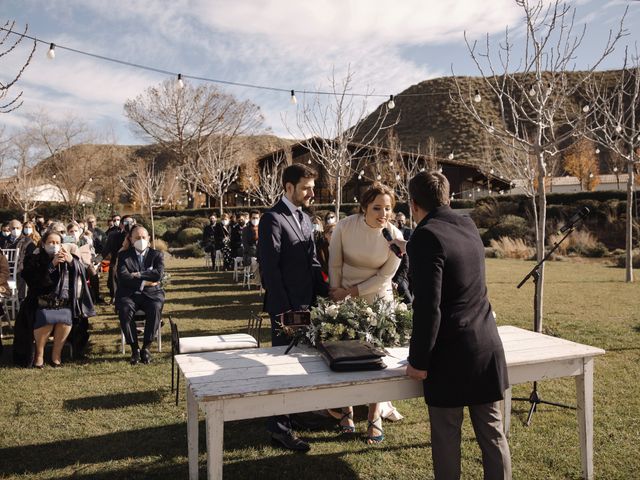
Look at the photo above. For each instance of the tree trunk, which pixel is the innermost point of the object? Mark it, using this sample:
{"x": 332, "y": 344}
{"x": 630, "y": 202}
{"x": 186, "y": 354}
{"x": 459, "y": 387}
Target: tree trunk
{"x": 628, "y": 243}
{"x": 221, "y": 199}
{"x": 153, "y": 228}
{"x": 540, "y": 242}
{"x": 338, "y": 196}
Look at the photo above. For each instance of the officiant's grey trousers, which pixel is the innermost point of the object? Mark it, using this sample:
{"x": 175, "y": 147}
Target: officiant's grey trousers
{"x": 446, "y": 424}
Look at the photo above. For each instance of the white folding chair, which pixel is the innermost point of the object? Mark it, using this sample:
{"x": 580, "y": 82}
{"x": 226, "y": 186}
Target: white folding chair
{"x": 139, "y": 318}
{"x": 11, "y": 300}
{"x": 219, "y": 260}
{"x": 237, "y": 266}
{"x": 212, "y": 343}
{"x": 207, "y": 260}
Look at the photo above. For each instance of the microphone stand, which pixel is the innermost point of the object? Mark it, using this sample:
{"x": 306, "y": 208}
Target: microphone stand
{"x": 299, "y": 334}
{"x": 534, "y": 399}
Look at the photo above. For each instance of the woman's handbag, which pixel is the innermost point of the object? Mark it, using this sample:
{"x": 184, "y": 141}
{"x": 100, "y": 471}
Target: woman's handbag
{"x": 352, "y": 355}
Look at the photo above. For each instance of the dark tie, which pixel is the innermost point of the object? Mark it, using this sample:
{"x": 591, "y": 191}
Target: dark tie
{"x": 303, "y": 227}
{"x": 141, "y": 262}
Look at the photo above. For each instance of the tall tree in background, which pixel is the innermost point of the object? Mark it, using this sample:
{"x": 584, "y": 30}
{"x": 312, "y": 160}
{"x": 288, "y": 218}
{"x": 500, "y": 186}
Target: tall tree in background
{"x": 616, "y": 124}
{"x": 267, "y": 188}
{"x": 9, "y": 41}
{"x": 581, "y": 161}
{"x": 535, "y": 97}
{"x": 333, "y": 129}
{"x": 182, "y": 118}
{"x": 22, "y": 187}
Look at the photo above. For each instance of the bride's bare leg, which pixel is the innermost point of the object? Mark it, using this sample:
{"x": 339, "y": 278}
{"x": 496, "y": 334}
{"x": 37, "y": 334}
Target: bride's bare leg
{"x": 346, "y": 422}
{"x": 374, "y": 432}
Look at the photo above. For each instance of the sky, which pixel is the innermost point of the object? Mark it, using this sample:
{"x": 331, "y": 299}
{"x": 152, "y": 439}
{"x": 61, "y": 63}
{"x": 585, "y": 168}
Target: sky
{"x": 389, "y": 45}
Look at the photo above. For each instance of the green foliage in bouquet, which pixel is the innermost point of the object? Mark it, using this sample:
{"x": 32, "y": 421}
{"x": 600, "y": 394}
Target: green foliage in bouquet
{"x": 384, "y": 323}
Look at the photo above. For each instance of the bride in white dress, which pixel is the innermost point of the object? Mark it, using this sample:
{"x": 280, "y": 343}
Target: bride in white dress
{"x": 362, "y": 265}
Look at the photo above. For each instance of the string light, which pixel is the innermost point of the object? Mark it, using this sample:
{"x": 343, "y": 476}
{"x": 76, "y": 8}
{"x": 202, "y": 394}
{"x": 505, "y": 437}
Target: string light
{"x": 491, "y": 129}
{"x": 450, "y": 157}
{"x": 391, "y": 104}
{"x": 180, "y": 82}
{"x": 52, "y": 47}
{"x": 615, "y": 169}
{"x": 379, "y": 177}
{"x": 532, "y": 91}
{"x": 618, "y": 128}
{"x": 585, "y": 109}
{"x": 548, "y": 88}
{"x": 477, "y": 98}
{"x": 597, "y": 151}
{"x": 293, "y": 100}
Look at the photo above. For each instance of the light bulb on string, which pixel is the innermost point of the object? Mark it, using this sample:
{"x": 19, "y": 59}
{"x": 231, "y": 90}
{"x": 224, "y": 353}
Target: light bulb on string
{"x": 618, "y": 128}
{"x": 440, "y": 169}
{"x": 548, "y": 88}
{"x": 477, "y": 98}
{"x": 379, "y": 177}
{"x": 51, "y": 54}
{"x": 361, "y": 172}
{"x": 422, "y": 169}
{"x": 491, "y": 128}
{"x": 491, "y": 171}
{"x": 615, "y": 169}
{"x": 309, "y": 161}
{"x": 359, "y": 177}
{"x": 532, "y": 91}
{"x": 450, "y": 157}
{"x": 180, "y": 82}
{"x": 293, "y": 100}
{"x": 585, "y": 109}
{"x": 398, "y": 177}
{"x": 391, "y": 104}
{"x": 597, "y": 151}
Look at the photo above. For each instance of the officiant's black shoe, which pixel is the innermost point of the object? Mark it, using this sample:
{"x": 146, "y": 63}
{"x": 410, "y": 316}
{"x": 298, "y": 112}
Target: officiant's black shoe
{"x": 135, "y": 357}
{"x": 289, "y": 441}
{"x": 145, "y": 356}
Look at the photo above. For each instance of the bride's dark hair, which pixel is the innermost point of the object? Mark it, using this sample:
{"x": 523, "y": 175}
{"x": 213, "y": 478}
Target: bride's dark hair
{"x": 374, "y": 190}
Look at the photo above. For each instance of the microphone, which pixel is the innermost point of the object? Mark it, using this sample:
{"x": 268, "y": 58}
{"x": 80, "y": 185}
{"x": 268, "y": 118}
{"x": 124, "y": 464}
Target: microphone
{"x": 394, "y": 248}
{"x": 579, "y": 215}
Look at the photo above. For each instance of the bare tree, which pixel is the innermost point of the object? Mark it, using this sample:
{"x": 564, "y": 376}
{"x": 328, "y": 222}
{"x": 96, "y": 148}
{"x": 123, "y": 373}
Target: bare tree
{"x": 9, "y": 103}
{"x": 145, "y": 185}
{"x": 22, "y": 187}
{"x": 616, "y": 124}
{"x": 333, "y": 129}
{"x": 182, "y": 118}
{"x": 217, "y": 168}
{"x": 267, "y": 188}
{"x": 71, "y": 159}
{"x": 535, "y": 98}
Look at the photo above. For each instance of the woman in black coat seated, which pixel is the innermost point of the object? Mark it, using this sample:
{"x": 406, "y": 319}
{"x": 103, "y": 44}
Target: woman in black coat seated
{"x": 57, "y": 300}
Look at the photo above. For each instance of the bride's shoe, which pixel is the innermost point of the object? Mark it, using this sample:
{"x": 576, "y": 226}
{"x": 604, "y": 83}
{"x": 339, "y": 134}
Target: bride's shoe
{"x": 374, "y": 425}
{"x": 389, "y": 412}
{"x": 347, "y": 429}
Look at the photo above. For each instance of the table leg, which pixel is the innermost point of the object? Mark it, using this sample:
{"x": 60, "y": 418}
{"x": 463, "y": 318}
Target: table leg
{"x": 584, "y": 393}
{"x": 215, "y": 433}
{"x": 192, "y": 433}
{"x": 506, "y": 412}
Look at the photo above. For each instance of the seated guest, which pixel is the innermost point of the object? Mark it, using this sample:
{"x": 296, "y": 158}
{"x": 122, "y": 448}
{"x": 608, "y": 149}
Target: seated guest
{"x": 139, "y": 271}
{"x": 115, "y": 239}
{"x": 57, "y": 299}
{"x": 208, "y": 239}
{"x": 222, "y": 240}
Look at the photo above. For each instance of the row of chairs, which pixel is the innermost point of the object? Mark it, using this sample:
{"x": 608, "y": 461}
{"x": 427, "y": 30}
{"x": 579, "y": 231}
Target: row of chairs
{"x": 10, "y": 301}
{"x": 250, "y": 274}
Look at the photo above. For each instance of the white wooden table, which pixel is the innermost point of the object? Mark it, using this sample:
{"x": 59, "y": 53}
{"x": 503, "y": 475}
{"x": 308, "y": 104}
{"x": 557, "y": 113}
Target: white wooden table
{"x": 242, "y": 384}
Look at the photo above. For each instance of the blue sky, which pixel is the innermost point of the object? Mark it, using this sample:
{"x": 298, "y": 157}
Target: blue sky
{"x": 390, "y": 45}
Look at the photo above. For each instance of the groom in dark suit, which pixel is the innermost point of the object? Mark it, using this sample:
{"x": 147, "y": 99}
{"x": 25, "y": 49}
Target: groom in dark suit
{"x": 140, "y": 270}
{"x": 455, "y": 347}
{"x": 290, "y": 271}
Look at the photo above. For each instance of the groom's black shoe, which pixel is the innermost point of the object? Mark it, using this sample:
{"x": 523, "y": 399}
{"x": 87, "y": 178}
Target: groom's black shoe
{"x": 135, "y": 357}
{"x": 289, "y": 441}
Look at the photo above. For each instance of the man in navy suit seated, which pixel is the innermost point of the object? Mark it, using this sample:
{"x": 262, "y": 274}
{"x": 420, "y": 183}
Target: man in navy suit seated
{"x": 139, "y": 272}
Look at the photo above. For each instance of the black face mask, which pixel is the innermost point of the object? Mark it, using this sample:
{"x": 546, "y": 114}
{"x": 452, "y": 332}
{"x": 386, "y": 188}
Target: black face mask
{"x": 213, "y": 222}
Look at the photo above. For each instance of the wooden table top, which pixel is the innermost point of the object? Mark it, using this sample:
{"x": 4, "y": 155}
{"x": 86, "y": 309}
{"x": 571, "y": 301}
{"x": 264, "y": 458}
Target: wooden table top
{"x": 254, "y": 372}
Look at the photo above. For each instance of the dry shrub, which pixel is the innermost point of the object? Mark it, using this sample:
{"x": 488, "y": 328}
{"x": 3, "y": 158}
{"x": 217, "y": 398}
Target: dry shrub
{"x": 161, "y": 245}
{"x": 581, "y": 242}
{"x": 506, "y": 247}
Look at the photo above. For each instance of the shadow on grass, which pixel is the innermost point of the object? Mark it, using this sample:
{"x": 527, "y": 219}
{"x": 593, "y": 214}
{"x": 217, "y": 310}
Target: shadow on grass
{"x": 112, "y": 401}
{"x": 219, "y": 300}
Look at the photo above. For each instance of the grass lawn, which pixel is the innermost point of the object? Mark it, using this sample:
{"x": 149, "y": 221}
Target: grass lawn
{"x": 105, "y": 419}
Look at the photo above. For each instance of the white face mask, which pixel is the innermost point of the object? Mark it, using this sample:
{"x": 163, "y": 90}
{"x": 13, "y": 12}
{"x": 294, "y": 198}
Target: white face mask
{"x": 225, "y": 222}
{"x": 116, "y": 223}
{"x": 16, "y": 232}
{"x": 331, "y": 220}
{"x": 255, "y": 222}
{"x": 52, "y": 249}
{"x": 317, "y": 227}
{"x": 141, "y": 245}
{"x": 76, "y": 235}
{"x": 5, "y": 233}
{"x": 28, "y": 230}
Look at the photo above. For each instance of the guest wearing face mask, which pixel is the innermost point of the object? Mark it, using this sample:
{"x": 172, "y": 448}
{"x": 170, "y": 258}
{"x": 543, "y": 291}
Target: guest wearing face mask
{"x": 114, "y": 225}
{"x": 222, "y": 240}
{"x": 41, "y": 225}
{"x": 6, "y": 233}
{"x": 27, "y": 244}
{"x": 236, "y": 235}
{"x": 11, "y": 240}
{"x": 140, "y": 270}
{"x": 114, "y": 243}
{"x": 318, "y": 228}
{"x": 250, "y": 238}
{"x": 56, "y": 300}
{"x": 330, "y": 218}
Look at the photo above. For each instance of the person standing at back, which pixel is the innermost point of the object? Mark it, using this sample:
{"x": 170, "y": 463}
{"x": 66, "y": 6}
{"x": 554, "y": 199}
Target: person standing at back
{"x": 455, "y": 347}
{"x": 289, "y": 268}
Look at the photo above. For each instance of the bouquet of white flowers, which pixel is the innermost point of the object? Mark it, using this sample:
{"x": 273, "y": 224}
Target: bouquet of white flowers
{"x": 384, "y": 323}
